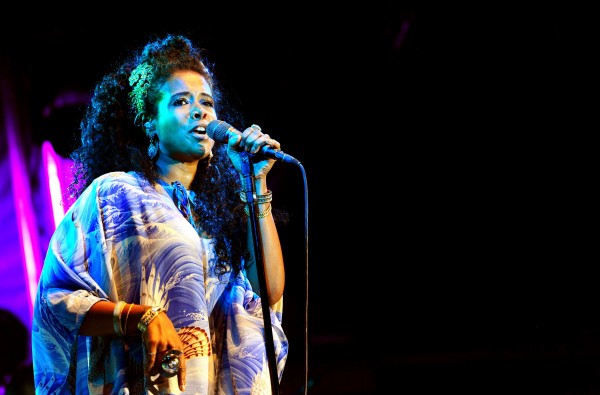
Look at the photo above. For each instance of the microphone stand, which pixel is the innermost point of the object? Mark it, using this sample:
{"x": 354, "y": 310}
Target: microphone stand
{"x": 248, "y": 188}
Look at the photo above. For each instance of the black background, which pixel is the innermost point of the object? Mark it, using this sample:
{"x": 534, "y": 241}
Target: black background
{"x": 447, "y": 190}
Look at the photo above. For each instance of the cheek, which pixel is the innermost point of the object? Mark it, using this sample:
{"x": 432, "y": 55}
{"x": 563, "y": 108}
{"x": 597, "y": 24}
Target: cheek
{"x": 170, "y": 122}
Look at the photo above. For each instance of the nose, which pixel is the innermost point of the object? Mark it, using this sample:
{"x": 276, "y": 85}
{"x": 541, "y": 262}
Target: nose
{"x": 196, "y": 113}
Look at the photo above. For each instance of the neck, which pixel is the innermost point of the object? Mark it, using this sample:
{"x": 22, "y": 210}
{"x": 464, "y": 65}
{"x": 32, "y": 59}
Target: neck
{"x": 177, "y": 171}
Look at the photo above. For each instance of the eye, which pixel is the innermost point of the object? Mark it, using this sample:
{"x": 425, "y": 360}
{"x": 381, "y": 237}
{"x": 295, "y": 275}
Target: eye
{"x": 207, "y": 102}
{"x": 182, "y": 101}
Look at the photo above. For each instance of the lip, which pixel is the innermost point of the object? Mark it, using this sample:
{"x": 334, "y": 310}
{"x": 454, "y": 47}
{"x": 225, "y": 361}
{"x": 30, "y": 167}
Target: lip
{"x": 199, "y": 132}
{"x": 199, "y": 136}
{"x": 200, "y": 128}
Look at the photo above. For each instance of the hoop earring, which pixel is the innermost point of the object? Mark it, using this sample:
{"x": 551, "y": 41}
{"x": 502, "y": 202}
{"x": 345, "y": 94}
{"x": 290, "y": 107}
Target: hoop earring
{"x": 153, "y": 147}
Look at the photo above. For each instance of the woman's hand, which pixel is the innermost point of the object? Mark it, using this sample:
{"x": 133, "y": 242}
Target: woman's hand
{"x": 160, "y": 337}
{"x": 252, "y": 140}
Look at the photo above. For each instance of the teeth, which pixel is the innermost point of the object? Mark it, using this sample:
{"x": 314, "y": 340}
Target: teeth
{"x": 200, "y": 129}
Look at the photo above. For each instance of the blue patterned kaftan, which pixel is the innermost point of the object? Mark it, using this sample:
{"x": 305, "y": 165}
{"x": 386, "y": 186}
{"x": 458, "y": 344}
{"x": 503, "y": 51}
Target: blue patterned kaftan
{"x": 124, "y": 239}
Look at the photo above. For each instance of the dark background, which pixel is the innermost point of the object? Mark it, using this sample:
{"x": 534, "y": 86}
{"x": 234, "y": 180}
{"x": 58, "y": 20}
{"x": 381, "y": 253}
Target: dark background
{"x": 446, "y": 192}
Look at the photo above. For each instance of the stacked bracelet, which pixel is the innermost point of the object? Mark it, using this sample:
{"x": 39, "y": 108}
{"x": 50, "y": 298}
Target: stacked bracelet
{"x": 261, "y": 214}
{"x": 260, "y": 199}
{"x": 117, "y": 318}
{"x": 148, "y": 316}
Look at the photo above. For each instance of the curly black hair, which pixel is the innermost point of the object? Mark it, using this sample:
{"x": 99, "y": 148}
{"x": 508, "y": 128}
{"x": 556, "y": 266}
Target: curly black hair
{"x": 112, "y": 139}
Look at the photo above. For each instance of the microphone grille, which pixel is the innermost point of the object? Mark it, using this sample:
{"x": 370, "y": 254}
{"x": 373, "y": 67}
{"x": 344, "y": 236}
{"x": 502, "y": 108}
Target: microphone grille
{"x": 217, "y": 130}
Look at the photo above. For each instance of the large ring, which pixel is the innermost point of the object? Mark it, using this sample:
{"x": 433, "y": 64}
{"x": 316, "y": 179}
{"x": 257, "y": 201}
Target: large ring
{"x": 170, "y": 363}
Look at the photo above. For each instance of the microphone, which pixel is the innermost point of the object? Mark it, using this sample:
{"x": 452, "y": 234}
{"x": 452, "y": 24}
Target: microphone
{"x": 220, "y": 131}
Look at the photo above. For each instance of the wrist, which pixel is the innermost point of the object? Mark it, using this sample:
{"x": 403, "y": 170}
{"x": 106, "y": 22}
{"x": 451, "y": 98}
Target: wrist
{"x": 149, "y": 315}
{"x": 260, "y": 185}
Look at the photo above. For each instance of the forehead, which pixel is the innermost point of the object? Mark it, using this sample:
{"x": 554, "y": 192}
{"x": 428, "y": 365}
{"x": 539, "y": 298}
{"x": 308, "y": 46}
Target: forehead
{"x": 186, "y": 81}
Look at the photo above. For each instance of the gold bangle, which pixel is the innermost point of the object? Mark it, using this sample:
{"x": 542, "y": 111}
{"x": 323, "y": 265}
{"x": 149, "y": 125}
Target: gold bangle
{"x": 127, "y": 318}
{"x": 260, "y": 199}
{"x": 117, "y": 318}
{"x": 260, "y": 215}
{"x": 148, "y": 316}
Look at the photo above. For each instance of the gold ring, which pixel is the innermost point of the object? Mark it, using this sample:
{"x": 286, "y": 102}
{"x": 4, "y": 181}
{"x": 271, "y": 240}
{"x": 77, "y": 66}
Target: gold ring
{"x": 151, "y": 353}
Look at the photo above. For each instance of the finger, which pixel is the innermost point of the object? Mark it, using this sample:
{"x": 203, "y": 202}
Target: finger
{"x": 253, "y": 137}
{"x": 266, "y": 142}
{"x": 181, "y": 374}
{"x": 249, "y": 143}
{"x": 273, "y": 143}
{"x": 150, "y": 361}
{"x": 235, "y": 139}
{"x": 247, "y": 137}
{"x": 256, "y": 142}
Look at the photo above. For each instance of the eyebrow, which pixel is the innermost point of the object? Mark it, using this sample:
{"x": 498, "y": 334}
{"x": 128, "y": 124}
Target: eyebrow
{"x": 188, "y": 93}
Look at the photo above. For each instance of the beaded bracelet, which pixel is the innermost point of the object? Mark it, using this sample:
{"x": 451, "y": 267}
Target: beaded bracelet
{"x": 260, "y": 215}
{"x": 148, "y": 316}
{"x": 260, "y": 199}
{"x": 117, "y": 318}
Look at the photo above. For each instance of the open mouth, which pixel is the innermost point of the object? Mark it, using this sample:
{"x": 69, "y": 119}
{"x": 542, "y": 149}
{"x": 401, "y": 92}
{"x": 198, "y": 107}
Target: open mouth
{"x": 199, "y": 130}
